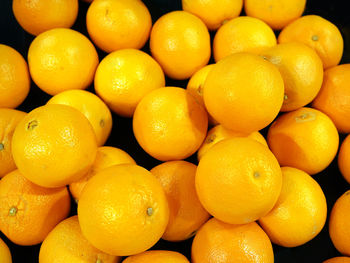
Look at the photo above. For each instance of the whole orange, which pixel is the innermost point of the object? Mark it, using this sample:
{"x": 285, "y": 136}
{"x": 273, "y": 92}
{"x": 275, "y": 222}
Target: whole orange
{"x": 343, "y": 158}
{"x": 5, "y": 254}
{"x": 157, "y": 256}
{"x": 338, "y": 260}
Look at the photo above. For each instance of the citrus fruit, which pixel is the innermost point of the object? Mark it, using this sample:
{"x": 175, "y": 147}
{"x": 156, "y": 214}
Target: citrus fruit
{"x": 62, "y": 59}
{"x": 242, "y": 34}
{"x": 169, "y": 124}
{"x": 93, "y": 108}
{"x": 225, "y": 243}
{"x": 9, "y": 118}
{"x": 118, "y": 24}
{"x": 305, "y": 139}
{"x": 124, "y": 77}
{"x": 28, "y": 212}
{"x": 66, "y": 243}
{"x": 54, "y": 145}
{"x": 238, "y": 194}
{"x": 14, "y": 77}
{"x": 319, "y": 34}
{"x": 157, "y": 256}
{"x": 123, "y": 210}
{"x": 180, "y": 42}
{"x": 5, "y": 254}
{"x": 343, "y": 158}
{"x": 243, "y": 92}
{"x": 37, "y": 16}
{"x": 186, "y": 212}
{"x": 338, "y": 260}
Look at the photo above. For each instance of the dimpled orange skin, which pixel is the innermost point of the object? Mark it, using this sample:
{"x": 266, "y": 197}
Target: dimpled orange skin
{"x": 66, "y": 243}
{"x": 106, "y": 156}
{"x": 243, "y": 92}
{"x": 343, "y": 159}
{"x": 300, "y": 212}
{"x": 124, "y": 77}
{"x": 276, "y": 13}
{"x": 93, "y": 108}
{"x": 123, "y": 210}
{"x": 319, "y": 34}
{"x": 118, "y": 24}
{"x": 302, "y": 71}
{"x": 180, "y": 42}
{"x": 338, "y": 260}
{"x": 238, "y": 194}
{"x": 169, "y": 124}
{"x": 187, "y": 214}
{"x": 62, "y": 59}
{"x": 54, "y": 145}
{"x": 5, "y": 254}
{"x": 9, "y": 118}
{"x": 334, "y": 96}
{"x": 157, "y": 256}
{"x": 213, "y": 12}
{"x": 242, "y": 34}
{"x": 339, "y": 224}
{"x": 305, "y": 139}
{"x": 225, "y": 243}
{"x": 14, "y": 77}
{"x": 37, "y": 16}
{"x": 28, "y": 212}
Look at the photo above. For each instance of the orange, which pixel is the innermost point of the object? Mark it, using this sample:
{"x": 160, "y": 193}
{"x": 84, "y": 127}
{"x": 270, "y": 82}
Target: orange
{"x": 157, "y": 256}
{"x": 305, "y": 139}
{"x": 334, "y": 97}
{"x": 242, "y": 34}
{"x": 180, "y": 42}
{"x": 243, "y": 92}
{"x": 106, "y": 156}
{"x": 219, "y": 133}
{"x": 339, "y": 224}
{"x": 186, "y": 212}
{"x": 62, "y": 59}
{"x": 338, "y": 260}
{"x": 238, "y": 194}
{"x": 28, "y": 212}
{"x": 300, "y": 212}
{"x": 302, "y": 72}
{"x": 9, "y": 119}
{"x": 319, "y": 34}
{"x": 118, "y": 24}
{"x": 124, "y": 77}
{"x": 14, "y": 77}
{"x": 5, "y": 254}
{"x": 123, "y": 210}
{"x": 54, "y": 145}
{"x": 343, "y": 159}
{"x": 276, "y": 13}
{"x": 93, "y": 108}
{"x": 225, "y": 243}
{"x": 169, "y": 124}
{"x": 66, "y": 243}
{"x": 213, "y": 12}
{"x": 37, "y": 16}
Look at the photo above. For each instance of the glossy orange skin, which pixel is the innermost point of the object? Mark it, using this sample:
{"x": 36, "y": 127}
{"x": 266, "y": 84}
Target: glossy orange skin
{"x": 343, "y": 159}
{"x": 338, "y": 260}
{"x": 5, "y": 254}
{"x": 157, "y": 256}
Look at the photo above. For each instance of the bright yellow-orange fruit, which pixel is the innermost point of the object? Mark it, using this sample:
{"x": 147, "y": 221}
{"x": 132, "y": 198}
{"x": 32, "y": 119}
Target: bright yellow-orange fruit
{"x": 5, "y": 254}
{"x": 28, "y": 212}
{"x": 118, "y": 24}
{"x": 169, "y": 124}
{"x": 157, "y": 256}
{"x": 238, "y": 194}
{"x": 344, "y": 159}
{"x": 180, "y": 42}
{"x": 319, "y": 34}
{"x": 14, "y": 77}
{"x": 54, "y": 145}
{"x": 124, "y": 77}
{"x": 213, "y": 12}
{"x": 242, "y": 34}
{"x": 225, "y": 243}
{"x": 62, "y": 59}
{"x": 187, "y": 214}
{"x": 123, "y": 210}
{"x": 66, "y": 243}
{"x": 338, "y": 260}
{"x": 243, "y": 92}
{"x": 93, "y": 108}
{"x": 300, "y": 212}
{"x": 305, "y": 139}
{"x": 37, "y": 16}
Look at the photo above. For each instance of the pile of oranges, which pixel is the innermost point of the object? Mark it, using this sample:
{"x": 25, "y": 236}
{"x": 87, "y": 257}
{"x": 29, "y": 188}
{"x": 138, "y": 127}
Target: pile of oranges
{"x": 264, "y": 109}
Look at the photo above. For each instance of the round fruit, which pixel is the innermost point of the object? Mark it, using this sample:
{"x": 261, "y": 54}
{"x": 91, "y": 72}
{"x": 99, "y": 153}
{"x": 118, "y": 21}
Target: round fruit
{"x": 5, "y": 254}
{"x": 343, "y": 159}
{"x": 54, "y": 145}
{"x": 157, "y": 256}
{"x": 338, "y": 260}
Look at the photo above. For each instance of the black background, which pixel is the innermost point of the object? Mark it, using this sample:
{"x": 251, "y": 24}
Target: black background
{"x": 331, "y": 181}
